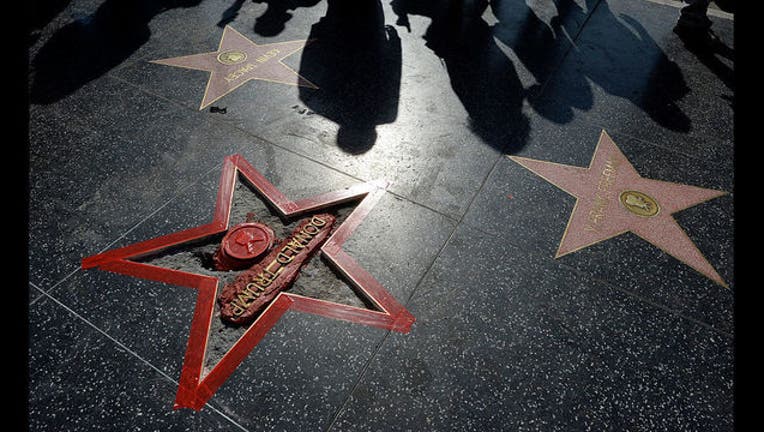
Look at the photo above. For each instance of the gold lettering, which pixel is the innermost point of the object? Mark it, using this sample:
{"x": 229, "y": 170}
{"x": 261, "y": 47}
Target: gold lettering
{"x": 317, "y": 221}
{"x": 295, "y": 245}
{"x": 270, "y": 272}
{"x": 263, "y": 281}
{"x": 302, "y": 237}
{"x": 282, "y": 258}
{"x": 310, "y": 233}
{"x": 278, "y": 272}
{"x": 602, "y": 196}
{"x": 286, "y": 255}
{"x": 240, "y": 72}
{"x": 267, "y": 56}
{"x": 597, "y": 212}
{"x": 288, "y": 247}
{"x": 250, "y": 291}
{"x": 237, "y": 310}
{"x": 245, "y": 298}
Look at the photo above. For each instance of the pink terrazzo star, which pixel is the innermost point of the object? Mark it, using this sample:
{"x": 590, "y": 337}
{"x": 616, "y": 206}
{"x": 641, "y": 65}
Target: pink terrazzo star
{"x": 612, "y": 198}
{"x": 239, "y": 60}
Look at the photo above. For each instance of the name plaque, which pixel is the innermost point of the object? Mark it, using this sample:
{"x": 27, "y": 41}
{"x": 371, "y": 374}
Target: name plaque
{"x": 253, "y": 289}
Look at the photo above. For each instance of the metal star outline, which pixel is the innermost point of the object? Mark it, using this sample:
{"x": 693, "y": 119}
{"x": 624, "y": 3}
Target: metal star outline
{"x": 193, "y": 390}
{"x": 612, "y": 199}
{"x": 239, "y": 60}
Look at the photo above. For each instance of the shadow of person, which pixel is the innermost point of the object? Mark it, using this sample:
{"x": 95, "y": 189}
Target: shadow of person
{"x": 636, "y": 68}
{"x": 87, "y": 48}
{"x": 616, "y": 54}
{"x": 539, "y": 45}
{"x": 707, "y": 55}
{"x": 230, "y": 14}
{"x": 42, "y": 12}
{"x": 480, "y": 73}
{"x": 272, "y": 21}
{"x": 356, "y": 62}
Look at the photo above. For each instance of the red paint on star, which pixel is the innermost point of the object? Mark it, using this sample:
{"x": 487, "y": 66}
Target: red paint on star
{"x": 612, "y": 198}
{"x": 194, "y": 390}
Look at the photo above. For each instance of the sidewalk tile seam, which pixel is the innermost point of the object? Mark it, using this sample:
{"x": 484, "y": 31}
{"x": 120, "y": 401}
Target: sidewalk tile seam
{"x": 540, "y": 255}
{"x": 131, "y": 352}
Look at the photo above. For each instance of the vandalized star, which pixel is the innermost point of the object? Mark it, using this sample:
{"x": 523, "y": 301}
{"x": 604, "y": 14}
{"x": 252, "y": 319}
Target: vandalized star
{"x": 239, "y": 60}
{"x": 194, "y": 390}
{"x": 612, "y": 199}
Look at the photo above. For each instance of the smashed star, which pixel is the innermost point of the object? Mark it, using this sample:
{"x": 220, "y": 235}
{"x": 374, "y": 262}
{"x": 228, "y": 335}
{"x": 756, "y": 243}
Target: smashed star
{"x": 195, "y": 388}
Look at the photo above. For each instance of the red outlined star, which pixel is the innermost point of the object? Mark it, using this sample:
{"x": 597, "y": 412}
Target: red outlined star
{"x": 612, "y": 199}
{"x": 193, "y": 390}
{"x": 239, "y": 60}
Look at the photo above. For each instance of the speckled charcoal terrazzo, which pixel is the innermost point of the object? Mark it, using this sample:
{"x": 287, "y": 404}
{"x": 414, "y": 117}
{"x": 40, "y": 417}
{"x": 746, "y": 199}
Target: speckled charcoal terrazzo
{"x": 535, "y": 207}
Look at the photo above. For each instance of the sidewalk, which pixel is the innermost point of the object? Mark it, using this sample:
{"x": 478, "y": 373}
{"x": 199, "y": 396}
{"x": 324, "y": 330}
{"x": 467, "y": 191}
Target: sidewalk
{"x": 546, "y": 296}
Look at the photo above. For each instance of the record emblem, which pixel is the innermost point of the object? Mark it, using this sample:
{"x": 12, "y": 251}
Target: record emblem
{"x": 639, "y": 203}
{"x": 232, "y": 57}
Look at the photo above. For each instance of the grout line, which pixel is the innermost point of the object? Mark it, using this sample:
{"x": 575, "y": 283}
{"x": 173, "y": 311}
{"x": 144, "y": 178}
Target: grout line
{"x": 459, "y": 222}
{"x": 419, "y": 283}
{"x": 702, "y": 159}
{"x": 594, "y": 121}
{"x": 538, "y": 254}
{"x": 40, "y": 295}
{"x": 220, "y": 121}
{"x": 480, "y": 189}
{"x": 438, "y": 212}
{"x": 111, "y": 75}
{"x": 397, "y": 195}
{"x": 361, "y": 374}
{"x": 610, "y": 284}
{"x": 134, "y": 227}
{"x": 34, "y": 300}
{"x": 158, "y": 209}
{"x": 652, "y": 302}
{"x": 133, "y": 353}
{"x": 711, "y": 10}
{"x": 366, "y": 366}
{"x": 54, "y": 285}
{"x": 559, "y": 64}
{"x": 432, "y": 265}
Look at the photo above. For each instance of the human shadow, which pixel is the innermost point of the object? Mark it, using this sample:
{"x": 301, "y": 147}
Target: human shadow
{"x": 87, "y": 48}
{"x": 230, "y": 14}
{"x": 538, "y": 45}
{"x": 615, "y": 53}
{"x": 273, "y": 20}
{"x": 41, "y": 13}
{"x": 355, "y": 60}
{"x": 708, "y": 55}
{"x": 480, "y": 73}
